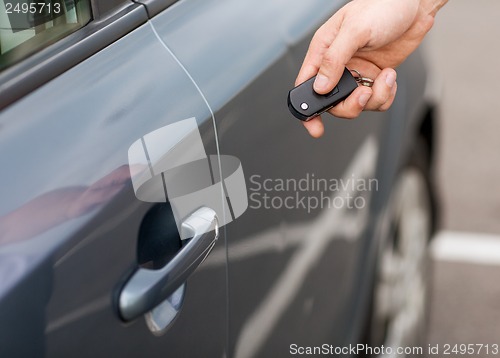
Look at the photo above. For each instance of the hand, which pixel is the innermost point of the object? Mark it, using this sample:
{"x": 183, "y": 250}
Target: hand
{"x": 372, "y": 37}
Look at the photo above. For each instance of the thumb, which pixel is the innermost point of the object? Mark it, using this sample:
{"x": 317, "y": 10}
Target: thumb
{"x": 334, "y": 60}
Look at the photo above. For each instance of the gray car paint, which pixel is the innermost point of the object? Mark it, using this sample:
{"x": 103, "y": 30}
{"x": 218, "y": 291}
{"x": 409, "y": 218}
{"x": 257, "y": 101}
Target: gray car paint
{"x": 69, "y": 133}
{"x": 244, "y": 57}
{"x": 244, "y": 63}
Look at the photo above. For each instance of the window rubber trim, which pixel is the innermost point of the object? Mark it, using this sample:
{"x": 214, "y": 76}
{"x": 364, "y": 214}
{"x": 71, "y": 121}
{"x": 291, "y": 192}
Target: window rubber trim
{"x": 154, "y": 7}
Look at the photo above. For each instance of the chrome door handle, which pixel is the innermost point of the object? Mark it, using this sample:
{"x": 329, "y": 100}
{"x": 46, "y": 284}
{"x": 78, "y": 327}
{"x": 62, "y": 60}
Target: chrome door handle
{"x": 148, "y": 288}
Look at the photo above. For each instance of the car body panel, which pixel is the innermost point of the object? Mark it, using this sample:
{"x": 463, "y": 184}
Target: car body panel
{"x": 65, "y": 136}
{"x": 277, "y": 276}
{"x": 281, "y": 261}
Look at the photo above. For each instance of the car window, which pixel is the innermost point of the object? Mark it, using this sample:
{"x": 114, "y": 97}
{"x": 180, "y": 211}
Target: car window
{"x": 27, "y": 26}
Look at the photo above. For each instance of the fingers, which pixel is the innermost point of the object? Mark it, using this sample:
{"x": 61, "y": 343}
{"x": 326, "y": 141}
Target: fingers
{"x": 350, "y": 108}
{"x": 315, "y": 127}
{"x": 335, "y": 59}
{"x": 383, "y": 91}
{"x": 320, "y": 43}
{"x": 353, "y": 105}
{"x": 312, "y": 61}
{"x": 388, "y": 104}
{"x": 377, "y": 98}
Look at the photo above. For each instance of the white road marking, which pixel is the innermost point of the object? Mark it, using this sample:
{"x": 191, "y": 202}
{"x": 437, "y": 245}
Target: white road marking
{"x": 466, "y": 247}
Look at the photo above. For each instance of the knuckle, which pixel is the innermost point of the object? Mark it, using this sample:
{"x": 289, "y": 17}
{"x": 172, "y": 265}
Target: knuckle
{"x": 320, "y": 38}
{"x": 350, "y": 113}
{"x": 319, "y": 33}
{"x": 365, "y": 32}
{"x": 328, "y": 58}
{"x": 425, "y": 24}
{"x": 384, "y": 107}
{"x": 353, "y": 114}
{"x": 329, "y": 61}
{"x": 379, "y": 98}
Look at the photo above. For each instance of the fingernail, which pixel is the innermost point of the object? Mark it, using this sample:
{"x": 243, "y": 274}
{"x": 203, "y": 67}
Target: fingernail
{"x": 320, "y": 83}
{"x": 390, "y": 80}
{"x": 363, "y": 99}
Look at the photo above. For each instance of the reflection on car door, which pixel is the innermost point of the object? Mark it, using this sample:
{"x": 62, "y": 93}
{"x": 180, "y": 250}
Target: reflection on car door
{"x": 294, "y": 273}
{"x": 76, "y": 223}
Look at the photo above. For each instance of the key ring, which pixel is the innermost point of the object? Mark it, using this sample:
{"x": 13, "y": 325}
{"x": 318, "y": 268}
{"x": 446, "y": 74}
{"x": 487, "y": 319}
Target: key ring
{"x": 363, "y": 81}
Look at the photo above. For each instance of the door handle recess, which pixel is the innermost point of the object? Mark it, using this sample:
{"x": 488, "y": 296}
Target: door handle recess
{"x": 148, "y": 288}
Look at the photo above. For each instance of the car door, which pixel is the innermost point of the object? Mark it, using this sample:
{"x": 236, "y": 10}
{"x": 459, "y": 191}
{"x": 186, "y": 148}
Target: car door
{"x": 298, "y": 260}
{"x": 94, "y": 129}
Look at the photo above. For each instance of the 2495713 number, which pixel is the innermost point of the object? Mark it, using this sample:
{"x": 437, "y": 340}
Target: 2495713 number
{"x": 32, "y": 8}
{"x": 471, "y": 348}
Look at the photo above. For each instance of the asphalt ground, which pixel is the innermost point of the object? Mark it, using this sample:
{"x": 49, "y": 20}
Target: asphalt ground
{"x": 463, "y": 50}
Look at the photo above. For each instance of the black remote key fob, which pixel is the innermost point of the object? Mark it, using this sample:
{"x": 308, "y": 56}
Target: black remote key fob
{"x": 305, "y": 104}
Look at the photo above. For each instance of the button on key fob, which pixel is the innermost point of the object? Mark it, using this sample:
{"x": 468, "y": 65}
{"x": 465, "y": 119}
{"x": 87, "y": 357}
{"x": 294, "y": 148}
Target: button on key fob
{"x": 305, "y": 104}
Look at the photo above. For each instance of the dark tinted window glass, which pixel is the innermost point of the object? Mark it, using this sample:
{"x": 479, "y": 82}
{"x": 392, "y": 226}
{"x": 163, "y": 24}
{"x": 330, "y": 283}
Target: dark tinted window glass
{"x": 29, "y": 25}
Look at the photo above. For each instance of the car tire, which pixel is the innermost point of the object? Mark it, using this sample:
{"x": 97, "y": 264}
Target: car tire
{"x": 402, "y": 285}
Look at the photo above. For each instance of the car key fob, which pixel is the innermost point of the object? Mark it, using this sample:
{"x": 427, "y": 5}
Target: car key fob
{"x": 305, "y": 104}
